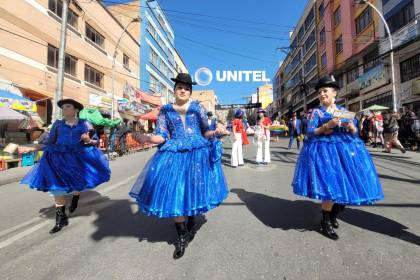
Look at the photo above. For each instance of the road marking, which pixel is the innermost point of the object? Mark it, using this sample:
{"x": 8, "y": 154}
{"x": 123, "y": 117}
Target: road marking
{"x": 40, "y": 225}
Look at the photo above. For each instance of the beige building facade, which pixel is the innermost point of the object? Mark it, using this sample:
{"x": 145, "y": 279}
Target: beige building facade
{"x": 29, "y": 41}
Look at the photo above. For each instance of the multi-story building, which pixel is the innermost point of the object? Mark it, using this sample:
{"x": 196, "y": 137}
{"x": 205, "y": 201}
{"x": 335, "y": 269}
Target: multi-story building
{"x": 207, "y": 98}
{"x": 354, "y": 46}
{"x": 158, "y": 51}
{"x": 159, "y": 59}
{"x": 403, "y": 18}
{"x": 299, "y": 69}
{"x": 29, "y": 41}
{"x": 347, "y": 43}
{"x": 180, "y": 65}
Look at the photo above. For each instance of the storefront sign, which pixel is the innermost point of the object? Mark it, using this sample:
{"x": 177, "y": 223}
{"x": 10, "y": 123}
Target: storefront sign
{"x": 99, "y": 101}
{"x": 373, "y": 77}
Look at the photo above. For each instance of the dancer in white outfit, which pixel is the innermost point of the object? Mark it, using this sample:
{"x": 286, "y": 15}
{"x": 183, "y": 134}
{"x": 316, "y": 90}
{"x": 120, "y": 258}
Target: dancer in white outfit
{"x": 264, "y": 142}
{"x": 237, "y": 158}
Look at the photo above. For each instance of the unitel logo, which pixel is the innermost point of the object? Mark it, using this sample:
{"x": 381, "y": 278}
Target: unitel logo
{"x": 203, "y": 76}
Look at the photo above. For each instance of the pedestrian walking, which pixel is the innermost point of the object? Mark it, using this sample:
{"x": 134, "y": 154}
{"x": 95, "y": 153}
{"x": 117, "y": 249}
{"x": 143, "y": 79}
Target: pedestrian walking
{"x": 391, "y": 129}
{"x": 212, "y": 122}
{"x": 295, "y": 129}
{"x": 70, "y": 164}
{"x": 181, "y": 181}
{"x": 334, "y": 165}
{"x": 378, "y": 129}
{"x": 263, "y": 143}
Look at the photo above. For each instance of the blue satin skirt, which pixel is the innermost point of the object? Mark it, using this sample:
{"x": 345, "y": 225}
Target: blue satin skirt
{"x": 337, "y": 168}
{"x": 67, "y": 169}
{"x": 186, "y": 182}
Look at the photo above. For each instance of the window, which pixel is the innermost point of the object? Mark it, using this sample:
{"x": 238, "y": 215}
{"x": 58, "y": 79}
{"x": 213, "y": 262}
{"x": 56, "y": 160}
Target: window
{"x": 310, "y": 64}
{"x": 153, "y": 83}
{"x": 384, "y": 99}
{"x": 371, "y": 60}
{"x": 339, "y": 79}
{"x": 363, "y": 20}
{"x": 94, "y": 36}
{"x": 337, "y": 16}
{"x": 353, "y": 74}
{"x": 153, "y": 57}
{"x": 309, "y": 19}
{"x": 321, "y": 9}
{"x": 339, "y": 45}
{"x": 93, "y": 76}
{"x": 56, "y": 6}
{"x": 322, "y": 36}
{"x": 70, "y": 62}
{"x": 151, "y": 30}
{"x": 324, "y": 60}
{"x": 126, "y": 61}
{"x": 410, "y": 68}
{"x": 402, "y": 17}
{"x": 301, "y": 33}
{"x": 292, "y": 65}
{"x": 309, "y": 42}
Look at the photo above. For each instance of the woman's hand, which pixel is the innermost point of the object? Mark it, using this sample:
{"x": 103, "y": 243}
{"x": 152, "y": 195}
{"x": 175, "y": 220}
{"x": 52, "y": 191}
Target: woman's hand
{"x": 333, "y": 123}
{"x": 350, "y": 127}
{"x": 85, "y": 138}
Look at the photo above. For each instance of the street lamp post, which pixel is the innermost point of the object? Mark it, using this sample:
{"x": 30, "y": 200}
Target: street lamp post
{"x": 391, "y": 44}
{"x": 113, "y": 64}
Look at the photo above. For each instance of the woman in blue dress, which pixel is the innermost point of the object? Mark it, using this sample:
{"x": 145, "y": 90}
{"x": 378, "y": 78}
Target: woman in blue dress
{"x": 70, "y": 164}
{"x": 184, "y": 178}
{"x": 334, "y": 165}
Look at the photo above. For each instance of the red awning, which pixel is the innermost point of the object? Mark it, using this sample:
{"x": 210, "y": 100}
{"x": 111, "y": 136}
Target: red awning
{"x": 151, "y": 116}
{"x": 144, "y": 97}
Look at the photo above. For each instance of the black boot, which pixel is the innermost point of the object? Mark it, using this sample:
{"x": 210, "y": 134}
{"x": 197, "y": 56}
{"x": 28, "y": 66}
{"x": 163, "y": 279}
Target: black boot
{"x": 183, "y": 239}
{"x": 191, "y": 227}
{"x": 333, "y": 215}
{"x": 74, "y": 203}
{"x": 326, "y": 226}
{"x": 61, "y": 219}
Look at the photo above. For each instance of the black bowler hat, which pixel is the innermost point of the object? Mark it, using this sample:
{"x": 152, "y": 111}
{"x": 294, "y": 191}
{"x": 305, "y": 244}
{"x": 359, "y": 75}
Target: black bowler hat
{"x": 73, "y": 102}
{"x": 327, "y": 81}
{"x": 184, "y": 78}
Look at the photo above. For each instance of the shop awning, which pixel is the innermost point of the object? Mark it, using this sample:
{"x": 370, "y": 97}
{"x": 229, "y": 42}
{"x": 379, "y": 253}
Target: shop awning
{"x": 147, "y": 98}
{"x": 16, "y": 102}
{"x": 151, "y": 116}
{"x": 95, "y": 117}
{"x": 7, "y": 114}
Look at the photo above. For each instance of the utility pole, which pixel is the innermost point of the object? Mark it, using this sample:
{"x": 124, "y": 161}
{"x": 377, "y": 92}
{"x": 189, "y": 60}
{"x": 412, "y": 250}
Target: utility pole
{"x": 61, "y": 59}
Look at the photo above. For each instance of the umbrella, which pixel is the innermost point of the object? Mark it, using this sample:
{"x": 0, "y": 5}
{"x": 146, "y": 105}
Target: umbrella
{"x": 7, "y": 114}
{"x": 375, "y": 108}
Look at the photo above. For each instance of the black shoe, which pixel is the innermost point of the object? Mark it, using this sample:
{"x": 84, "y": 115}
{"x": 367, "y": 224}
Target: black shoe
{"x": 191, "y": 227}
{"x": 183, "y": 240}
{"x": 403, "y": 150}
{"x": 326, "y": 226}
{"x": 333, "y": 215}
{"x": 74, "y": 203}
{"x": 61, "y": 219}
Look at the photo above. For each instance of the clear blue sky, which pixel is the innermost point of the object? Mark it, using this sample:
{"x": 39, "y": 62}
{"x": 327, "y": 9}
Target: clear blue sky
{"x": 279, "y": 17}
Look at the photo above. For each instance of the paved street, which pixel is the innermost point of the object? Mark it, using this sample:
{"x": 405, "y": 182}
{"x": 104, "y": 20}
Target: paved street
{"x": 262, "y": 231}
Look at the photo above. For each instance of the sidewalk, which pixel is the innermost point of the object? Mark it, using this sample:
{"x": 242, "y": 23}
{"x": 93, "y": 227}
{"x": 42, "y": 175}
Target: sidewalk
{"x": 13, "y": 175}
{"x": 16, "y": 174}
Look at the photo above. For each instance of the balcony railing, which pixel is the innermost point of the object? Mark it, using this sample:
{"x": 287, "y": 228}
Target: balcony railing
{"x": 401, "y": 36}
